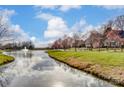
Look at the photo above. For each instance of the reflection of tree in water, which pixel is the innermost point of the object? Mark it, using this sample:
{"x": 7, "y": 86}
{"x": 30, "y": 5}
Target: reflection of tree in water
{"x": 28, "y": 54}
{"x": 62, "y": 65}
{"x": 44, "y": 65}
{"x": 67, "y": 68}
{"x": 19, "y": 54}
{"x": 83, "y": 77}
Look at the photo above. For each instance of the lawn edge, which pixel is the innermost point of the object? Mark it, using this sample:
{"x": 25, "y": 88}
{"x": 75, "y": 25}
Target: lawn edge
{"x": 8, "y": 61}
{"x": 94, "y": 73}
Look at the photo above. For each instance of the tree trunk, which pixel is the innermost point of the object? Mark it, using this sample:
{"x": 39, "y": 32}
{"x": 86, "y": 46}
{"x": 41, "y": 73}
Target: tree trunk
{"x": 99, "y": 49}
{"x": 91, "y": 47}
{"x": 75, "y": 49}
{"x": 75, "y": 46}
{"x": 107, "y": 48}
{"x": 64, "y": 48}
{"x": 114, "y": 48}
{"x": 110, "y": 46}
{"x": 121, "y": 48}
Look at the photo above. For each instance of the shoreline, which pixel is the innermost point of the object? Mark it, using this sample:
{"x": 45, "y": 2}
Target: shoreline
{"x": 88, "y": 68}
{"x": 6, "y": 60}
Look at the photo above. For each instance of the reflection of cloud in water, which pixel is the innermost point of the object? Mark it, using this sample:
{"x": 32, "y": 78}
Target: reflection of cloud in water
{"x": 56, "y": 77}
{"x": 38, "y": 69}
{"x": 46, "y": 65}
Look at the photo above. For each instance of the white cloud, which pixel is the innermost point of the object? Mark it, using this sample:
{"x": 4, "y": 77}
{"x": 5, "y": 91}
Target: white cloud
{"x": 33, "y": 38}
{"x": 44, "y": 16}
{"x": 63, "y": 8}
{"x": 112, "y": 7}
{"x": 79, "y": 26}
{"x": 47, "y": 6}
{"x": 56, "y": 28}
{"x": 82, "y": 26}
{"x": 7, "y": 12}
{"x": 69, "y": 7}
{"x": 39, "y": 43}
{"x": 6, "y": 15}
{"x": 15, "y": 28}
{"x": 36, "y": 42}
{"x": 16, "y": 32}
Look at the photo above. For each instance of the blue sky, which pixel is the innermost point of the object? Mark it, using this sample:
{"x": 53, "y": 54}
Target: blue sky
{"x": 44, "y": 24}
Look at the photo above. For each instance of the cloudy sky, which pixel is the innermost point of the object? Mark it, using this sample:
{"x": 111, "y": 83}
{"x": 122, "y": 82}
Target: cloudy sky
{"x": 44, "y": 24}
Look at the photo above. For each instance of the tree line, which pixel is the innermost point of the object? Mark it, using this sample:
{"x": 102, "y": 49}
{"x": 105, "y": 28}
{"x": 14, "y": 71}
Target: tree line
{"x": 18, "y": 46}
{"x": 109, "y": 35}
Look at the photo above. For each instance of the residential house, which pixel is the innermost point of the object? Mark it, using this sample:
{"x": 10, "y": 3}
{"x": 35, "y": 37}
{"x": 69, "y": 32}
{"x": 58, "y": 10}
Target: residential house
{"x": 114, "y": 38}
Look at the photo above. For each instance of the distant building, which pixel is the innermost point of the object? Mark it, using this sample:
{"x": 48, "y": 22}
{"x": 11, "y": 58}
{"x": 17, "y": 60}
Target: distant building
{"x": 114, "y": 38}
{"x": 111, "y": 38}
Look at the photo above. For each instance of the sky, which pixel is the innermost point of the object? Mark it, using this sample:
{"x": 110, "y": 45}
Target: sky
{"x": 44, "y": 24}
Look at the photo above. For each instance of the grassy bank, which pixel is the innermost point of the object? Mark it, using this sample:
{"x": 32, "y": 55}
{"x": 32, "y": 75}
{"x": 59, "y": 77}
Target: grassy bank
{"x": 106, "y": 65}
{"x": 5, "y": 59}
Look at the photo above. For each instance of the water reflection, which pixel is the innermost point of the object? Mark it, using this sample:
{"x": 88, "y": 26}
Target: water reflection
{"x": 22, "y": 54}
{"x": 86, "y": 78}
{"x": 37, "y": 69}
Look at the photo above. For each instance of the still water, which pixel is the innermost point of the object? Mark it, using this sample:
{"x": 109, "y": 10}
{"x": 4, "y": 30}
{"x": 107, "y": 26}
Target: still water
{"x": 37, "y": 69}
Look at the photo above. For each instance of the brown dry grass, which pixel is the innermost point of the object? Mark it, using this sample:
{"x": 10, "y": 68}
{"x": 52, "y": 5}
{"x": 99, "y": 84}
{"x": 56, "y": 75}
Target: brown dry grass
{"x": 109, "y": 72}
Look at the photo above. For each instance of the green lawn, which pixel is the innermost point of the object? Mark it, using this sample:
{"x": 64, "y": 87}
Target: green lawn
{"x": 107, "y": 65}
{"x": 95, "y": 57}
{"x": 5, "y": 59}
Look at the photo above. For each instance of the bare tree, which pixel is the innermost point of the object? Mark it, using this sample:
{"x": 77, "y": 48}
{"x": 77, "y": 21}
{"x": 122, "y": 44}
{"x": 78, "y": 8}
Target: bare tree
{"x": 76, "y": 38}
{"x": 3, "y": 28}
{"x": 119, "y": 22}
{"x": 105, "y": 29}
{"x": 95, "y": 40}
{"x": 65, "y": 42}
{"x": 5, "y": 34}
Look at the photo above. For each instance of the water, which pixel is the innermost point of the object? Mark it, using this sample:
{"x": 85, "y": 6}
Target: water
{"x": 37, "y": 69}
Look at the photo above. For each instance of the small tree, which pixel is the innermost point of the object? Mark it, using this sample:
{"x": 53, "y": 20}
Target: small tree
{"x": 76, "y": 38}
{"x": 65, "y": 43}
